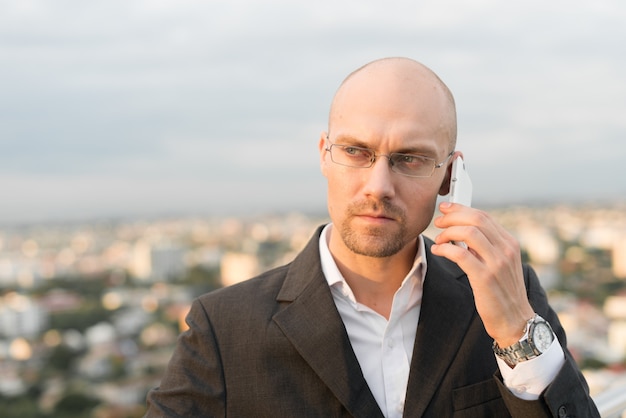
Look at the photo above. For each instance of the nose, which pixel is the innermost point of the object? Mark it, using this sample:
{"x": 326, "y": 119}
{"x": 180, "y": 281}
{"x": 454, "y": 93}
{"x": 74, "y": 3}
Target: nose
{"x": 378, "y": 179}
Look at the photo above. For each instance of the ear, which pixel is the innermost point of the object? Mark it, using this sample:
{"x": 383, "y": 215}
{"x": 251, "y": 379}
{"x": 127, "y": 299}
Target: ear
{"x": 445, "y": 185}
{"x": 322, "y": 149}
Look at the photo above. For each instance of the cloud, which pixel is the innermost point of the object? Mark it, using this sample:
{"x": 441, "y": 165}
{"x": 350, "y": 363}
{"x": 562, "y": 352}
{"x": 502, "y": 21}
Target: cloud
{"x": 160, "y": 98}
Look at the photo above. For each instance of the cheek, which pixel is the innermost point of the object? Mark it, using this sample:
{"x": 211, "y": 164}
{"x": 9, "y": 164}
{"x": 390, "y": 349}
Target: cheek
{"x": 419, "y": 193}
{"x": 340, "y": 192}
{"x": 337, "y": 190}
{"x": 421, "y": 205}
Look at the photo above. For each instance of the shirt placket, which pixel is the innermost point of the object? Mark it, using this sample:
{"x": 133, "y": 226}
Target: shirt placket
{"x": 395, "y": 370}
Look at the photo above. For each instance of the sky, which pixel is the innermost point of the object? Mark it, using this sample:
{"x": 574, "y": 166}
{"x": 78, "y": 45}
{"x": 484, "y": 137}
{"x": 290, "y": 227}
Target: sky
{"x": 121, "y": 108}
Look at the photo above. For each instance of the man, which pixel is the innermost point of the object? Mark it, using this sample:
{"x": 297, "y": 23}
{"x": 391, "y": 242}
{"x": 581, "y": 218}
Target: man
{"x": 372, "y": 319}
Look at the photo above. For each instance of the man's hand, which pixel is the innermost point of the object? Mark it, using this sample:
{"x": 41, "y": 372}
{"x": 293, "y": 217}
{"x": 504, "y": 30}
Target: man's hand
{"x": 493, "y": 265}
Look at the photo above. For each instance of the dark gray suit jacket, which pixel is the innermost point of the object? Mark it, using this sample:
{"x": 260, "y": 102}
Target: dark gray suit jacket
{"x": 275, "y": 346}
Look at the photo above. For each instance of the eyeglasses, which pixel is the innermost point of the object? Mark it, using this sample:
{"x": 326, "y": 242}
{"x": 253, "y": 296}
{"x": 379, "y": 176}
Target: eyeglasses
{"x": 410, "y": 165}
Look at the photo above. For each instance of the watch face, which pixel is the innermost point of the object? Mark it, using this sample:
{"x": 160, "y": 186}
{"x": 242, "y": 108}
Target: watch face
{"x": 542, "y": 336}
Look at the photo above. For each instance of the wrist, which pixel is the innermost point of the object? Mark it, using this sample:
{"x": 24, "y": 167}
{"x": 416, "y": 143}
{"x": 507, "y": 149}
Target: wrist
{"x": 536, "y": 339}
{"x": 522, "y": 333}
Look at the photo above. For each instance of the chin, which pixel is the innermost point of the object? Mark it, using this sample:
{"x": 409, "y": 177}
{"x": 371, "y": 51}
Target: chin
{"x": 374, "y": 243}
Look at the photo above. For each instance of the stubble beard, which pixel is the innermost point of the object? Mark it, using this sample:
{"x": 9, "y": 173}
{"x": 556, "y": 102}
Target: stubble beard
{"x": 374, "y": 241}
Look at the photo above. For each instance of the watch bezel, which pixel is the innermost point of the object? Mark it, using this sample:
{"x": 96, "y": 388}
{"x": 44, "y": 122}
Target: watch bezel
{"x": 536, "y": 337}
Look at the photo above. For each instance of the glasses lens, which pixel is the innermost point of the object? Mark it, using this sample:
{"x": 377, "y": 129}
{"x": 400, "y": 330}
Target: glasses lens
{"x": 351, "y": 156}
{"x": 412, "y": 165}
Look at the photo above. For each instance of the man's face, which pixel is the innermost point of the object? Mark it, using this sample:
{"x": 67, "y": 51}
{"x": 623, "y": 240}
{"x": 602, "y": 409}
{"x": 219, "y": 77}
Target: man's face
{"x": 378, "y": 212}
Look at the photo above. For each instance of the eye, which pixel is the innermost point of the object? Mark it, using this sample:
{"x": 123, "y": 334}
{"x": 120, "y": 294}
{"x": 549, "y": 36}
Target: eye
{"x": 357, "y": 152}
{"x": 409, "y": 159}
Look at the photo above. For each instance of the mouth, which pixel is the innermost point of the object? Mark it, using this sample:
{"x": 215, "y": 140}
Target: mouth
{"x": 376, "y": 213}
{"x": 375, "y": 217}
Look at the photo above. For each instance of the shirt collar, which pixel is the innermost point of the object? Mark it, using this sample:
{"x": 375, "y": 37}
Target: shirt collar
{"x": 335, "y": 278}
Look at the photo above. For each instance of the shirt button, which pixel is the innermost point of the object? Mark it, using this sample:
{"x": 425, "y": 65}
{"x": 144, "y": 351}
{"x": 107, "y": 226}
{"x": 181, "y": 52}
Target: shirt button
{"x": 390, "y": 343}
{"x": 562, "y": 412}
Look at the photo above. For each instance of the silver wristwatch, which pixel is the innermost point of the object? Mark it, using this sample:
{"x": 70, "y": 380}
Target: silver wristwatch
{"x": 537, "y": 338}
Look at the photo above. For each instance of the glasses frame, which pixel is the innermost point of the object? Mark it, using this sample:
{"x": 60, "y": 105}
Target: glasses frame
{"x": 388, "y": 156}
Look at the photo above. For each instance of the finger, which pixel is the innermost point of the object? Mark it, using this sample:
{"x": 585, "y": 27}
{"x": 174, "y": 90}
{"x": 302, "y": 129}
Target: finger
{"x": 459, "y": 215}
{"x": 467, "y": 259}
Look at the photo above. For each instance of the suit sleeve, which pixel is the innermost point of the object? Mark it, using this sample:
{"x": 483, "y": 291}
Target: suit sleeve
{"x": 193, "y": 384}
{"x": 568, "y": 394}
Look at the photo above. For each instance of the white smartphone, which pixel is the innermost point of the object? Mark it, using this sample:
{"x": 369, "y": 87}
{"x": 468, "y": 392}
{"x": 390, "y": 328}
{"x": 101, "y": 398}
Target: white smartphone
{"x": 460, "y": 183}
{"x": 460, "y": 188}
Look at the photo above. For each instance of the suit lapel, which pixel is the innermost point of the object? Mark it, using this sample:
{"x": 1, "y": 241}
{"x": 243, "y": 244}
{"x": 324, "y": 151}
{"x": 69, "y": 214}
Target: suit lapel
{"x": 446, "y": 312}
{"x": 311, "y": 322}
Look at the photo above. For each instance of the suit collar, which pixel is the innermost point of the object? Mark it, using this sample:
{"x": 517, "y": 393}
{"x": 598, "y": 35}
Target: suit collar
{"x": 311, "y": 322}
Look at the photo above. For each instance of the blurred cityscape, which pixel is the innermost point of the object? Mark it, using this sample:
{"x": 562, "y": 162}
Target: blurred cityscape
{"x": 90, "y": 312}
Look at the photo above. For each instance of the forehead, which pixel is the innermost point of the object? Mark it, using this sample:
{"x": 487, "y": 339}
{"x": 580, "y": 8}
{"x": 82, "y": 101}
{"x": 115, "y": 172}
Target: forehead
{"x": 393, "y": 108}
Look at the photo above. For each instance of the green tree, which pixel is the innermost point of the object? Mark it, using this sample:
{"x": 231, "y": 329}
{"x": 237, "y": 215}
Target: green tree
{"x": 21, "y": 406}
{"x": 75, "y": 405}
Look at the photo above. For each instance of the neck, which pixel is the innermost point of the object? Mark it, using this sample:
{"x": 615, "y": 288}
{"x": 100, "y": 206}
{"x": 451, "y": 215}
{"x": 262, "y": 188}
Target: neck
{"x": 373, "y": 280}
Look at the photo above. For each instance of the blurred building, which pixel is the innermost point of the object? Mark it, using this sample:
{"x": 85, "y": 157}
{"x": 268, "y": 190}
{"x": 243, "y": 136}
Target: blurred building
{"x": 167, "y": 261}
{"x": 619, "y": 256}
{"x": 237, "y": 267}
{"x": 615, "y": 310}
{"x": 20, "y": 316}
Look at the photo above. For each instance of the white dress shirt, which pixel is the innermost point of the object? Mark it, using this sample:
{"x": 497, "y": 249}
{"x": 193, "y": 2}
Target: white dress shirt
{"x": 384, "y": 347}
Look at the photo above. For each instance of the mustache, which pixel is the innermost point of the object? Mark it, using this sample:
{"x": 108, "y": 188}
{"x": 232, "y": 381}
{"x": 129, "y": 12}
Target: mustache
{"x": 382, "y": 208}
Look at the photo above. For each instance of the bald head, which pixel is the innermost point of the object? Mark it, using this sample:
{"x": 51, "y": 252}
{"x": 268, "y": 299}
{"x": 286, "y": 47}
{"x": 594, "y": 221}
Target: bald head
{"x": 400, "y": 82}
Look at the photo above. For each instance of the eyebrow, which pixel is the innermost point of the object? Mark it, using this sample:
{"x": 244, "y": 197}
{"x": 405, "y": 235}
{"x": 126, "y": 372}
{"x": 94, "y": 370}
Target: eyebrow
{"x": 350, "y": 140}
